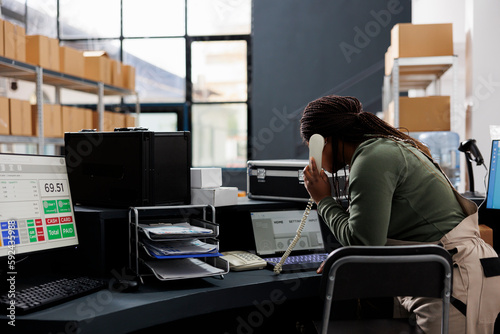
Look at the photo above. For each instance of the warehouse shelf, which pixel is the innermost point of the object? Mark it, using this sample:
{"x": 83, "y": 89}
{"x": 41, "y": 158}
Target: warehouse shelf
{"x": 14, "y": 69}
{"x": 9, "y": 139}
{"x": 418, "y": 73}
{"x": 23, "y": 71}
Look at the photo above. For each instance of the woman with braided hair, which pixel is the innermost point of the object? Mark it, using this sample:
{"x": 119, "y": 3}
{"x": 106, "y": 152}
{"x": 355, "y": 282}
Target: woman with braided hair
{"x": 398, "y": 195}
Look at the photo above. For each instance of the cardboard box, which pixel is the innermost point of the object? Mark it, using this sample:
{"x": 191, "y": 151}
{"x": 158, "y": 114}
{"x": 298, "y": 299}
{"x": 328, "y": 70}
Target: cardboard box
{"x": 206, "y": 178}
{"x": 20, "y": 44}
{"x": 73, "y": 119}
{"x": 37, "y": 50}
{"x": 80, "y": 122}
{"x": 52, "y": 120}
{"x": 112, "y": 120}
{"x": 108, "y": 121}
{"x": 430, "y": 113}
{"x": 9, "y": 40}
{"x": 88, "y": 119}
{"x": 2, "y": 51}
{"x": 129, "y": 77}
{"x": 4, "y": 116}
{"x": 42, "y": 51}
{"x": 14, "y": 41}
{"x": 422, "y": 40}
{"x": 54, "y": 59}
{"x": 66, "y": 118}
{"x": 129, "y": 121}
{"x": 116, "y": 73}
{"x": 97, "y": 66}
{"x": 118, "y": 120}
{"x": 389, "y": 61}
{"x": 222, "y": 196}
{"x": 71, "y": 61}
{"x": 486, "y": 234}
{"x": 56, "y": 123}
{"x": 95, "y": 120}
{"x": 20, "y": 117}
{"x": 34, "y": 119}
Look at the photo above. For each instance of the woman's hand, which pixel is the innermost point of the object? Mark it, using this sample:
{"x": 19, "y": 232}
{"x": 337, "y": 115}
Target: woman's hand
{"x": 316, "y": 182}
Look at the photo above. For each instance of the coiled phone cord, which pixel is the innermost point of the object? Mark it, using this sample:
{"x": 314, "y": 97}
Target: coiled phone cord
{"x": 279, "y": 265}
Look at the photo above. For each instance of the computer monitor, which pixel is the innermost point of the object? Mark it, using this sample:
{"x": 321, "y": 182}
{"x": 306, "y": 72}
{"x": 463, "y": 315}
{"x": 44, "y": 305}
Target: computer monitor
{"x": 493, "y": 193}
{"x": 36, "y": 210}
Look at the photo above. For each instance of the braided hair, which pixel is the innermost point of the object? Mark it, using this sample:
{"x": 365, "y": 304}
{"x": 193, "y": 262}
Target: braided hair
{"x": 343, "y": 118}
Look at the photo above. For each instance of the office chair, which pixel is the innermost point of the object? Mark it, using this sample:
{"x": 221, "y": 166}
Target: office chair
{"x": 384, "y": 271}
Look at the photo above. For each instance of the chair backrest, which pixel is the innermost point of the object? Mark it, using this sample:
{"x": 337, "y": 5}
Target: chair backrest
{"x": 381, "y": 271}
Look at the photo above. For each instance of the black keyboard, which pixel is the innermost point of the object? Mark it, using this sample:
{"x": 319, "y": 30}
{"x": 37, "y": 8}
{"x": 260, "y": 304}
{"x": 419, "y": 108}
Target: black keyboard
{"x": 305, "y": 262}
{"x": 48, "y": 294}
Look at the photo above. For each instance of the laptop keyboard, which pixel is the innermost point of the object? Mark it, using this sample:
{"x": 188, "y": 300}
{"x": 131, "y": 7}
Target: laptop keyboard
{"x": 305, "y": 262}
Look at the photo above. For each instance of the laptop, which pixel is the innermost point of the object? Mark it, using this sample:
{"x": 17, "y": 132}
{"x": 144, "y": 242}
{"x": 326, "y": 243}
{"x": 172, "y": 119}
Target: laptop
{"x": 274, "y": 231}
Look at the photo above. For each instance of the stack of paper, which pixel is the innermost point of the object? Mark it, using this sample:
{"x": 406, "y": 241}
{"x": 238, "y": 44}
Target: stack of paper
{"x": 179, "y": 247}
{"x": 183, "y": 268}
{"x": 172, "y": 231}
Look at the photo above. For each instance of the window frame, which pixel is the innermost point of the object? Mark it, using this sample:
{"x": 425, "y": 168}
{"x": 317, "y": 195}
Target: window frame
{"x": 182, "y": 109}
{"x": 189, "y": 82}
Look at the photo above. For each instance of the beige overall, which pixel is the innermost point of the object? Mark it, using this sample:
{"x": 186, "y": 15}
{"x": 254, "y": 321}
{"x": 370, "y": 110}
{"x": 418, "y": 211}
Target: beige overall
{"x": 476, "y": 282}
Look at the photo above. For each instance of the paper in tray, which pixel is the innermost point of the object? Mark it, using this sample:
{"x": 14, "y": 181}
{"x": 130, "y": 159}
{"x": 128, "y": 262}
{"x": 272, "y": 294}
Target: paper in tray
{"x": 172, "y": 231}
{"x": 160, "y": 256}
{"x": 179, "y": 247}
{"x": 183, "y": 268}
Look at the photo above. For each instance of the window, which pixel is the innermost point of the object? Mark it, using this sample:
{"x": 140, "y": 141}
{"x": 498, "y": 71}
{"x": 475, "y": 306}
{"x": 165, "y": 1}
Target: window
{"x": 219, "y": 17}
{"x": 219, "y": 79}
{"x": 159, "y": 122}
{"x": 89, "y": 19}
{"x": 219, "y": 134}
{"x": 191, "y": 59}
{"x": 153, "y": 18}
{"x": 41, "y": 18}
{"x": 219, "y": 71}
{"x": 160, "y": 68}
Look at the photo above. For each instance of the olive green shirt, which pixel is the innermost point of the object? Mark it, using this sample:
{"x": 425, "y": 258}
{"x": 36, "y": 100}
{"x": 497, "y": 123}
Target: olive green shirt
{"x": 395, "y": 192}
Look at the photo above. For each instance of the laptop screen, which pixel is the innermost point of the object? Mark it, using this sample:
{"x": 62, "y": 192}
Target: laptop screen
{"x": 493, "y": 194}
{"x": 275, "y": 230}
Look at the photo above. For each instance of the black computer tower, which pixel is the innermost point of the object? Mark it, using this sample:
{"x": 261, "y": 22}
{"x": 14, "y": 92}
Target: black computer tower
{"x": 129, "y": 168}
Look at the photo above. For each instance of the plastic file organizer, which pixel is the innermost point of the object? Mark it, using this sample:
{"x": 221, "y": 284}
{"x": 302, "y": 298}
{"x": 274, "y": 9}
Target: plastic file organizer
{"x": 175, "y": 242}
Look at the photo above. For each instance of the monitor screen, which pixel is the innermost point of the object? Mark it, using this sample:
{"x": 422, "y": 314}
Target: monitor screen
{"x": 36, "y": 211}
{"x": 275, "y": 230}
{"x": 493, "y": 194}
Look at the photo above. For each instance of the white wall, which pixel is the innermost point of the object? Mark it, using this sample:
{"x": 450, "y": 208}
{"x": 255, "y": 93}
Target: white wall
{"x": 483, "y": 76}
{"x": 474, "y": 27}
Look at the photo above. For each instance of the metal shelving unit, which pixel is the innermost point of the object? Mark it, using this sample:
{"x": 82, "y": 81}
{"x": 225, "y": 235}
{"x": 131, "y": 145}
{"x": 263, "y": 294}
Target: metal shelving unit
{"x": 419, "y": 73}
{"x": 22, "y": 71}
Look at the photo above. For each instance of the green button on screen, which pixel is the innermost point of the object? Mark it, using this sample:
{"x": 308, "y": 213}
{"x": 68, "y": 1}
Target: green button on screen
{"x": 49, "y": 207}
{"x": 54, "y": 232}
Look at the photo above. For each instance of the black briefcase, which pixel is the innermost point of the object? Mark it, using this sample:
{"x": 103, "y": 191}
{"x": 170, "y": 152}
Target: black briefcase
{"x": 129, "y": 167}
{"x": 280, "y": 179}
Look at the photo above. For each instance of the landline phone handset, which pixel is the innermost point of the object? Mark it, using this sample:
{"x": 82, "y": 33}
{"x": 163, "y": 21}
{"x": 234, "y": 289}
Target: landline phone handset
{"x": 316, "y": 144}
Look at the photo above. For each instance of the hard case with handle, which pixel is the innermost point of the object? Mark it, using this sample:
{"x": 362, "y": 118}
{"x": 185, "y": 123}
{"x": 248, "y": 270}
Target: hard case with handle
{"x": 280, "y": 179}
